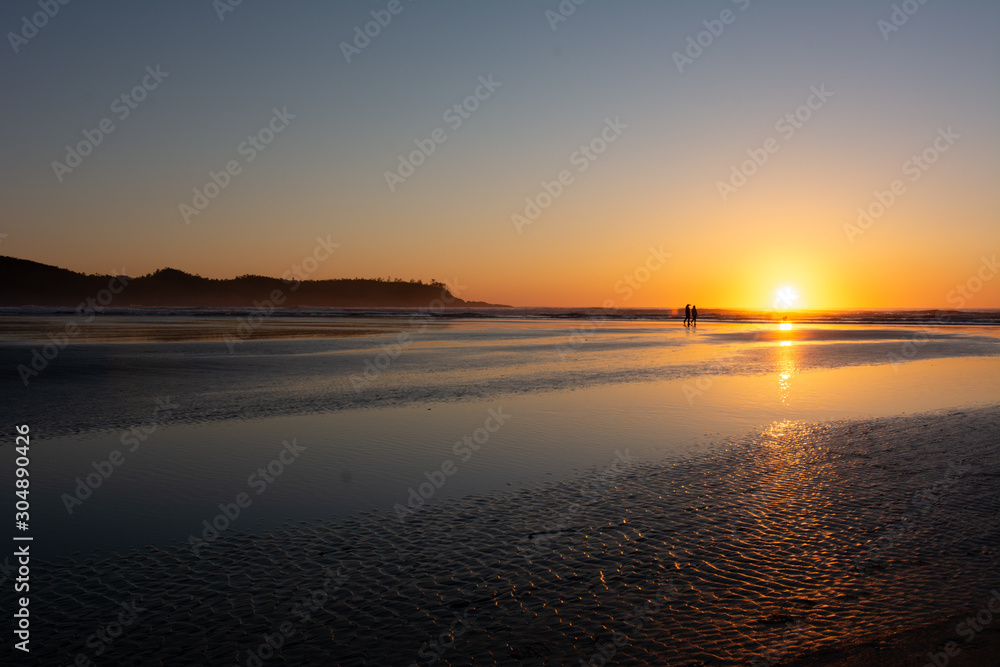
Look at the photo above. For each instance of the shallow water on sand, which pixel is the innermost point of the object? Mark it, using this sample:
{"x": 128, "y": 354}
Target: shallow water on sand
{"x": 98, "y": 385}
{"x": 798, "y": 538}
{"x": 354, "y": 460}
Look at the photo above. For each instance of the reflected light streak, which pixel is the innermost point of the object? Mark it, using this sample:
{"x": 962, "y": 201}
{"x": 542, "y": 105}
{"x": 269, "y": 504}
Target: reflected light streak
{"x": 786, "y": 370}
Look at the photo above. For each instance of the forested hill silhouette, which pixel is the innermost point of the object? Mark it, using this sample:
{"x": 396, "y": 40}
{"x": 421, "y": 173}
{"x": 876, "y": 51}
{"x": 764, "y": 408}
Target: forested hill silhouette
{"x": 27, "y": 283}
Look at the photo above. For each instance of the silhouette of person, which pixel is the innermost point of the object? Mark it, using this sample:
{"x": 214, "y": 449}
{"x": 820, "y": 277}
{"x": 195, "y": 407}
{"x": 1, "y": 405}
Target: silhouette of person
{"x": 694, "y": 315}
{"x": 687, "y": 314}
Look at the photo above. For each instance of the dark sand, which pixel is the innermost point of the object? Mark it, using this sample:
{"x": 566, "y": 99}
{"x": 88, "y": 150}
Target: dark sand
{"x": 763, "y": 551}
{"x": 909, "y": 648}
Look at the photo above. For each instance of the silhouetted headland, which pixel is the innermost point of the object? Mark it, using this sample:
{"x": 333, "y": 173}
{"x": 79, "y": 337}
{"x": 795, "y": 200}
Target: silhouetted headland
{"x": 28, "y": 283}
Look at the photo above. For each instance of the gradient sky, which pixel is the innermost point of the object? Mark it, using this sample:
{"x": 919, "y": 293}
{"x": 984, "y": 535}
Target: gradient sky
{"x": 655, "y": 186}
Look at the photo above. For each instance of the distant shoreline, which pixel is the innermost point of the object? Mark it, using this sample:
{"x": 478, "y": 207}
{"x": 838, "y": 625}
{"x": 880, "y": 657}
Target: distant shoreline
{"x": 32, "y": 284}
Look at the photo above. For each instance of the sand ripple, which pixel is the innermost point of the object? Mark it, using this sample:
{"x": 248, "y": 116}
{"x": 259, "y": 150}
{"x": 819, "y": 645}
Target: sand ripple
{"x": 801, "y": 537}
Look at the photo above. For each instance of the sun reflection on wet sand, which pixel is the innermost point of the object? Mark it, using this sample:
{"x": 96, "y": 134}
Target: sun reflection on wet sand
{"x": 786, "y": 367}
{"x": 796, "y": 492}
{"x": 784, "y": 387}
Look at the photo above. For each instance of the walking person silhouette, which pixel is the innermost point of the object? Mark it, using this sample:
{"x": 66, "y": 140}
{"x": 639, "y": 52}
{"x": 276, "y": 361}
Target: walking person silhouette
{"x": 687, "y": 314}
{"x": 694, "y": 315}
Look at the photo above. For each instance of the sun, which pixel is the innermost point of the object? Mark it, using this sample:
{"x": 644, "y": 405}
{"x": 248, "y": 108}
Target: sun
{"x": 786, "y": 298}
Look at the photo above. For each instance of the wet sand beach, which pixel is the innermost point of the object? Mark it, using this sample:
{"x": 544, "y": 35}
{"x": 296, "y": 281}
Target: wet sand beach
{"x": 803, "y": 537}
{"x": 509, "y": 492}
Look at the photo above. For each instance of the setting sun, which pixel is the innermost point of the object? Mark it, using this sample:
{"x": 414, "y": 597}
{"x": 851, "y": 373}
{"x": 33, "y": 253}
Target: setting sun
{"x": 785, "y": 298}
